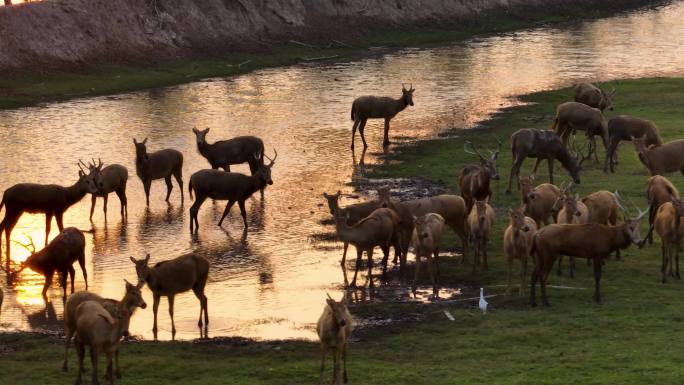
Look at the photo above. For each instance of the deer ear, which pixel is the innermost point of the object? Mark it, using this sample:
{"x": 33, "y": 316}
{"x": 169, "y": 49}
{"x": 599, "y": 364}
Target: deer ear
{"x": 326, "y": 195}
{"x": 330, "y": 302}
{"x": 144, "y": 141}
{"x": 206, "y": 130}
{"x": 81, "y": 174}
{"x": 194, "y": 129}
{"x": 132, "y": 259}
{"x": 147, "y": 258}
{"x": 128, "y": 284}
{"x": 135, "y": 141}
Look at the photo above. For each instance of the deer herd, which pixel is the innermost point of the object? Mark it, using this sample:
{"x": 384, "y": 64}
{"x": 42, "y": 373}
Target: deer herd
{"x": 551, "y": 222}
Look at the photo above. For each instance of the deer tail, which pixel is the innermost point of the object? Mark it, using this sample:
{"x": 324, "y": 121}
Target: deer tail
{"x": 555, "y": 123}
{"x": 2, "y": 203}
{"x": 353, "y": 117}
{"x": 190, "y": 188}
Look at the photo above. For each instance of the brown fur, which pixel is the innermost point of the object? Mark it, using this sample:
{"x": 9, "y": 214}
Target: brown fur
{"x": 593, "y": 96}
{"x": 112, "y": 178}
{"x": 378, "y": 107}
{"x": 517, "y": 244}
{"x": 572, "y": 211}
{"x": 334, "y": 327}
{"x": 426, "y": 238}
{"x": 573, "y": 116}
{"x": 480, "y": 222}
{"x": 625, "y": 127}
{"x": 663, "y": 159}
{"x": 158, "y": 165}
{"x": 223, "y": 153}
{"x": 659, "y": 190}
{"x": 538, "y": 202}
{"x": 474, "y": 180}
{"x": 667, "y": 224}
{"x": 175, "y": 276}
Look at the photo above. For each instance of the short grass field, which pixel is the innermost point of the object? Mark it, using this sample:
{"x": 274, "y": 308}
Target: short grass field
{"x": 632, "y": 338}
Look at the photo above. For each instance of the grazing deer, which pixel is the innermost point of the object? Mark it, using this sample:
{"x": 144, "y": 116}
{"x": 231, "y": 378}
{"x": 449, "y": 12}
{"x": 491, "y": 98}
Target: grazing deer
{"x": 667, "y": 224}
{"x": 538, "y": 202}
{"x": 660, "y": 159}
{"x": 175, "y": 276}
{"x": 426, "y": 237}
{"x": 593, "y": 241}
{"x": 58, "y": 256}
{"x": 157, "y": 165}
{"x": 570, "y": 211}
{"x": 592, "y": 96}
{"x": 377, "y": 229}
{"x": 659, "y": 190}
{"x": 475, "y": 178}
{"x": 334, "y": 327}
{"x": 518, "y": 238}
{"x": 112, "y": 178}
{"x": 230, "y": 186}
{"x": 130, "y": 301}
{"x": 102, "y": 331}
{"x": 573, "y": 116}
{"x": 541, "y": 144}
{"x": 376, "y": 107}
{"x": 480, "y": 222}
{"x": 53, "y": 200}
{"x": 241, "y": 149}
{"x": 625, "y": 127}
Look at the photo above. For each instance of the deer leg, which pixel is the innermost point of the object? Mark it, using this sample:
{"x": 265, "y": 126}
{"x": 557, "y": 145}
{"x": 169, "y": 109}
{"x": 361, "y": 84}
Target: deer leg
{"x": 559, "y": 270}
{"x": 370, "y": 267}
{"x": 515, "y": 171}
{"x": 550, "y": 164}
{"x": 169, "y": 186}
{"x": 121, "y": 193}
{"x": 336, "y": 366}
{"x": 385, "y": 141}
{"x": 243, "y": 212}
{"x": 199, "y": 293}
{"x": 510, "y": 275}
{"x": 345, "y": 379}
{"x": 48, "y": 223}
{"x": 356, "y": 124}
{"x": 93, "y": 200}
{"x": 225, "y": 211}
{"x": 80, "y": 352}
{"x": 108, "y": 373}
{"x": 81, "y": 262}
{"x": 362, "y": 126}
{"x": 343, "y": 263}
{"x": 359, "y": 255}
{"x": 572, "y": 267}
{"x": 597, "y": 279}
{"x": 173, "y": 325}
{"x": 10, "y": 221}
{"x": 663, "y": 263}
{"x": 523, "y": 273}
{"x": 322, "y": 367}
{"x": 69, "y": 335}
{"x": 385, "y": 260}
{"x": 48, "y": 281}
{"x": 72, "y": 274}
{"x": 155, "y": 307}
{"x": 543, "y": 277}
{"x": 146, "y": 185}
{"x": 431, "y": 269}
{"x": 117, "y": 371}
{"x": 104, "y": 208}
{"x": 93, "y": 362}
{"x": 416, "y": 274}
{"x": 533, "y": 282}
{"x": 179, "y": 179}
{"x": 59, "y": 216}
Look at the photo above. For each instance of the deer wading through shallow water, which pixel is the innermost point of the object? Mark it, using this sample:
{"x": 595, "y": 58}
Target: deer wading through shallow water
{"x": 378, "y": 107}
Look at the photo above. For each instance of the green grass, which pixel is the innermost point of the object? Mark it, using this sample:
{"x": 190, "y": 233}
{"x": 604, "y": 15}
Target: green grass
{"x": 632, "y": 338}
{"x": 30, "y": 88}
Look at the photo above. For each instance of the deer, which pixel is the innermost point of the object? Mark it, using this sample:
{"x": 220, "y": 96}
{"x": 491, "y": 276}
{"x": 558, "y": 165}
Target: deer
{"x": 131, "y": 300}
{"x": 667, "y": 224}
{"x": 538, "y": 202}
{"x": 518, "y": 238}
{"x": 230, "y": 186}
{"x": 58, "y": 256}
{"x": 480, "y": 222}
{"x": 175, "y": 276}
{"x": 334, "y": 327}
{"x": 624, "y": 127}
{"x": 223, "y": 153}
{"x": 541, "y": 144}
{"x": 377, "y": 107}
{"x": 593, "y": 96}
{"x": 426, "y": 238}
{"x": 663, "y": 159}
{"x": 52, "y": 200}
{"x": 573, "y": 116}
{"x": 157, "y": 165}
{"x": 102, "y": 331}
{"x": 592, "y": 240}
{"x": 475, "y": 178}
{"x": 377, "y": 229}
{"x": 452, "y": 208}
{"x": 571, "y": 210}
{"x": 112, "y": 178}
{"x": 659, "y": 190}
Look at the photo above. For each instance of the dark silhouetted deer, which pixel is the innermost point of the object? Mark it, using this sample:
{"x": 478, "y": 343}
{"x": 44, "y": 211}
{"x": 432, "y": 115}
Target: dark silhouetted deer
{"x": 110, "y": 179}
{"x": 377, "y": 107}
{"x": 158, "y": 165}
{"x": 223, "y": 153}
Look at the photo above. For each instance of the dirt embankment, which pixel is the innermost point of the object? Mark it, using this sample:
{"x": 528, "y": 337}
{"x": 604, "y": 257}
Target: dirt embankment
{"x": 69, "y": 34}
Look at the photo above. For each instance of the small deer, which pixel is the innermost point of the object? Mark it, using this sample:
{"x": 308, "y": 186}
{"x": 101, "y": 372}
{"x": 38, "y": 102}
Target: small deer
{"x": 53, "y": 200}
{"x": 223, "y": 153}
{"x": 112, "y": 178}
{"x": 376, "y": 107}
{"x": 158, "y": 165}
{"x": 58, "y": 256}
{"x": 175, "y": 276}
{"x": 538, "y": 202}
{"x": 625, "y": 127}
{"x": 571, "y": 210}
{"x": 426, "y": 238}
{"x": 659, "y": 190}
{"x": 230, "y": 186}
{"x": 573, "y": 116}
{"x": 130, "y": 301}
{"x": 593, "y": 96}
{"x": 475, "y": 178}
{"x": 480, "y": 222}
{"x": 334, "y": 327}
{"x": 667, "y": 224}
{"x": 663, "y": 159}
{"x": 518, "y": 238}
{"x": 541, "y": 144}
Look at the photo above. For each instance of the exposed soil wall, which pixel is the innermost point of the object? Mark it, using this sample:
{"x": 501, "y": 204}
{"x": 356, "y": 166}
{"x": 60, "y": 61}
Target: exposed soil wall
{"x": 67, "y": 34}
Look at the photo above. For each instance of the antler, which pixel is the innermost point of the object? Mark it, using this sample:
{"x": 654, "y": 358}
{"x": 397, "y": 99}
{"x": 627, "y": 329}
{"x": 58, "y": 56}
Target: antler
{"x": 499, "y": 145}
{"x": 619, "y": 201}
{"x": 32, "y": 250}
{"x": 580, "y": 156}
{"x": 472, "y": 145}
{"x": 274, "y": 157}
{"x": 80, "y": 162}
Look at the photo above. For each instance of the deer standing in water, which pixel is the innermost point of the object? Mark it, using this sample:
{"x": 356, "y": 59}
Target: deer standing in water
{"x": 112, "y": 178}
{"x": 157, "y": 165}
{"x": 378, "y": 107}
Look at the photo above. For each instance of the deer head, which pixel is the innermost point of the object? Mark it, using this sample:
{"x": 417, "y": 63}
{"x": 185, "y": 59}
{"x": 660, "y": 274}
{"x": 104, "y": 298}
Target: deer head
{"x": 141, "y": 269}
{"x": 201, "y": 136}
{"x": 608, "y": 99}
{"x": 641, "y": 149}
{"x": 339, "y": 310}
{"x": 632, "y": 223}
{"x": 264, "y": 171}
{"x": 487, "y": 163}
{"x": 518, "y": 221}
{"x": 95, "y": 171}
{"x": 407, "y": 95}
{"x": 86, "y": 180}
{"x": 140, "y": 149}
{"x": 333, "y": 201}
{"x": 133, "y": 297}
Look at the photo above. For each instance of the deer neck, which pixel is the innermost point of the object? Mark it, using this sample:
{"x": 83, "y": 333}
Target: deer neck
{"x": 621, "y": 236}
{"x": 204, "y": 148}
{"x": 401, "y": 104}
{"x": 151, "y": 278}
{"x": 525, "y": 192}
{"x": 344, "y": 231}
{"x": 565, "y": 158}
{"x": 75, "y": 192}
{"x": 257, "y": 183}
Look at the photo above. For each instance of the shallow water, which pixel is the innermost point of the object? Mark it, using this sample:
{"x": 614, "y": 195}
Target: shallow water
{"x": 272, "y": 283}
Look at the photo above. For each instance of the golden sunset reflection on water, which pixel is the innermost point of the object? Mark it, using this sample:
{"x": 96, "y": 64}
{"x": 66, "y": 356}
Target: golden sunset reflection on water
{"x": 272, "y": 284}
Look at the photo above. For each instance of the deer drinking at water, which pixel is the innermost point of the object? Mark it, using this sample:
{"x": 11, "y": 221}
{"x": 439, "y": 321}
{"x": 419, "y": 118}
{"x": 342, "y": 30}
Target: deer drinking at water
{"x": 377, "y": 107}
{"x": 157, "y": 165}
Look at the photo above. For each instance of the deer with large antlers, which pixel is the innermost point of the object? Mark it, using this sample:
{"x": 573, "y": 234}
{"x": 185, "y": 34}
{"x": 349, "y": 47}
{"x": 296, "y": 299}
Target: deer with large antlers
{"x": 157, "y": 165}
{"x": 377, "y": 107}
{"x": 475, "y": 178}
{"x": 112, "y": 178}
{"x": 230, "y": 186}
{"x": 541, "y": 144}
{"x": 592, "y": 241}
{"x": 52, "y": 200}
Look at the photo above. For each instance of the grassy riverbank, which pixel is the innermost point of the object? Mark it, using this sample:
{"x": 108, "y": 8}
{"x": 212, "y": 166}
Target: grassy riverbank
{"x": 630, "y": 339}
{"x": 27, "y": 89}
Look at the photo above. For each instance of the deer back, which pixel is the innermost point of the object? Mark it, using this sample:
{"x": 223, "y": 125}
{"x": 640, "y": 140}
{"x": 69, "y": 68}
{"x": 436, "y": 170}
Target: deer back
{"x": 222, "y": 185}
{"x": 178, "y": 275}
{"x": 602, "y": 207}
{"x": 113, "y": 177}
{"x": 665, "y": 226}
{"x": 660, "y": 190}
{"x": 72, "y": 304}
{"x": 159, "y": 164}
{"x": 237, "y": 150}
{"x": 427, "y": 232}
{"x": 373, "y": 107}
